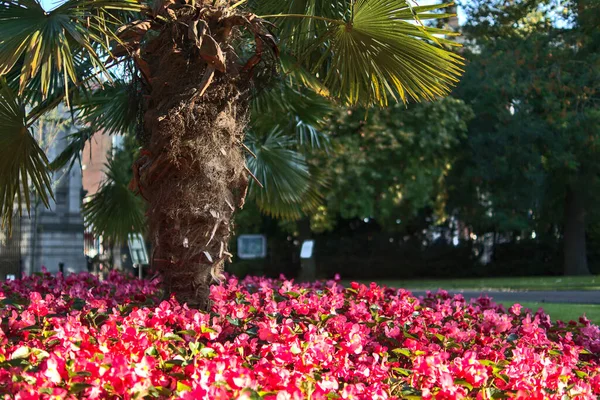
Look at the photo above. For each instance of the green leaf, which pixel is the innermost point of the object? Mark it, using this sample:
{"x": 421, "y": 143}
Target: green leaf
{"x": 78, "y": 387}
{"x": 367, "y": 51}
{"x": 464, "y": 383}
{"x": 208, "y": 352}
{"x": 73, "y": 150}
{"x": 283, "y": 171}
{"x": 512, "y": 337}
{"x": 404, "y": 352}
{"x": 408, "y": 335}
{"x": 174, "y": 362}
{"x": 21, "y": 352}
{"x": 293, "y": 109}
{"x": 23, "y": 164}
{"x": 402, "y": 371}
{"x": 188, "y": 332}
{"x": 48, "y": 47}
{"x": 174, "y": 337}
{"x": 112, "y": 109}
{"x": 581, "y": 374}
{"x": 115, "y": 211}
{"x": 182, "y": 387}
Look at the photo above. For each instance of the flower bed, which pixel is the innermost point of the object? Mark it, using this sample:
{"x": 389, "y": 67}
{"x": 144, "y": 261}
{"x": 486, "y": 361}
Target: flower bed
{"x": 76, "y": 337}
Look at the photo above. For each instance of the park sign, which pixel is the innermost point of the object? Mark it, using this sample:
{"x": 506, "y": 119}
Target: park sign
{"x": 137, "y": 249}
{"x": 252, "y": 246}
{"x": 306, "y": 251}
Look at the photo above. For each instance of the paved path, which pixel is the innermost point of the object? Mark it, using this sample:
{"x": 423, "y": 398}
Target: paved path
{"x": 581, "y": 297}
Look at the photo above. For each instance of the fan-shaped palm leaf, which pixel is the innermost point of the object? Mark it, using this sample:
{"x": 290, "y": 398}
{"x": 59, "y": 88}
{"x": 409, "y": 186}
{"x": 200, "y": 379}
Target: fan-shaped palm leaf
{"x": 22, "y": 161}
{"x": 72, "y": 151}
{"x": 48, "y": 47}
{"x": 373, "y": 50}
{"x": 295, "y": 109}
{"x": 289, "y": 188}
{"x": 112, "y": 109}
{"x": 115, "y": 211}
{"x": 295, "y": 73}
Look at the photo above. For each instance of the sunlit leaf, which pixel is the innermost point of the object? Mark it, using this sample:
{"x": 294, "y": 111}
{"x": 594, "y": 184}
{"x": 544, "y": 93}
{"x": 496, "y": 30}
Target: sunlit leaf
{"x": 369, "y": 51}
{"x": 47, "y": 47}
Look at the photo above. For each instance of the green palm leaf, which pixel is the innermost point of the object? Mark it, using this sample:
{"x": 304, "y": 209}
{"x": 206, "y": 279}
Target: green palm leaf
{"x": 48, "y": 47}
{"x": 374, "y": 51}
{"x": 112, "y": 109}
{"x": 289, "y": 188}
{"x": 74, "y": 148}
{"x": 115, "y": 211}
{"x": 295, "y": 109}
{"x": 23, "y": 163}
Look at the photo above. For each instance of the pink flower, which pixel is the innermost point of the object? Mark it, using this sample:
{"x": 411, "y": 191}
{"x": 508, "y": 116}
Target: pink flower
{"x": 515, "y": 309}
{"x": 78, "y": 337}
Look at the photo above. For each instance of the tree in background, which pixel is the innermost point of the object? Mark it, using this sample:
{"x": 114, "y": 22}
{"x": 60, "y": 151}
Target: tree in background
{"x": 530, "y": 160}
{"x": 194, "y": 66}
{"x": 389, "y": 164}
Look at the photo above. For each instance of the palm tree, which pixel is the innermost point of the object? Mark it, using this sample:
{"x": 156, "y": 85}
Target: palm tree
{"x": 195, "y": 66}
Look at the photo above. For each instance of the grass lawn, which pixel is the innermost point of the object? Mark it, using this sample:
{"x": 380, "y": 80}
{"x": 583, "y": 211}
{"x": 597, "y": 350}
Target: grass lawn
{"x": 564, "y": 312}
{"x": 591, "y": 282}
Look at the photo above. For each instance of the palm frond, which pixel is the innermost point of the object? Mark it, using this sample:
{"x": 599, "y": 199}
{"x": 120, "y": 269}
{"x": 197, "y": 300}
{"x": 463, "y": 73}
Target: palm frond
{"x": 376, "y": 50}
{"x": 293, "y": 109}
{"x": 47, "y": 49}
{"x": 112, "y": 109}
{"x": 295, "y": 72}
{"x": 298, "y": 34}
{"x": 23, "y": 164}
{"x": 289, "y": 188}
{"x": 115, "y": 211}
{"x": 72, "y": 151}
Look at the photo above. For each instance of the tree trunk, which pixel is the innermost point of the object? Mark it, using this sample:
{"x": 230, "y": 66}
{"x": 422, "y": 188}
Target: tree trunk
{"x": 575, "y": 261}
{"x": 192, "y": 170}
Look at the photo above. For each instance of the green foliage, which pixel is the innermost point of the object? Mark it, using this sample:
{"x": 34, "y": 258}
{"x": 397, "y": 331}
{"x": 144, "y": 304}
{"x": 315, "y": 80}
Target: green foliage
{"x": 392, "y": 163}
{"x": 22, "y": 161}
{"x": 289, "y": 188}
{"x": 43, "y": 57}
{"x": 362, "y": 52}
{"x": 368, "y": 50}
{"x": 534, "y": 84}
{"x": 299, "y": 111}
{"x": 111, "y": 109}
{"x": 46, "y": 48}
{"x": 115, "y": 211}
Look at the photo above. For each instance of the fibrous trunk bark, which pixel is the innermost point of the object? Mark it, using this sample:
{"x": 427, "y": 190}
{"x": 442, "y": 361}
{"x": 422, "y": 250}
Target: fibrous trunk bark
{"x": 575, "y": 252}
{"x": 192, "y": 169}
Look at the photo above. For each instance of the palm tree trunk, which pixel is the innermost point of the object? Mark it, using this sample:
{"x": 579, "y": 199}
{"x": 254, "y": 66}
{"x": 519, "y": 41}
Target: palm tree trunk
{"x": 192, "y": 171}
{"x": 200, "y": 182}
